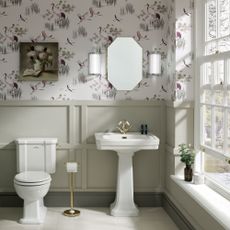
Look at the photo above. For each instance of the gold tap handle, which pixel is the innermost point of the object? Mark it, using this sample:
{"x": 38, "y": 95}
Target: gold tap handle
{"x": 120, "y": 129}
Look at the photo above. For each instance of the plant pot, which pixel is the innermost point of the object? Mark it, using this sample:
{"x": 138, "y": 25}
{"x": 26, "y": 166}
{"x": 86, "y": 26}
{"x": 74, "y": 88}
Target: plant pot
{"x": 188, "y": 173}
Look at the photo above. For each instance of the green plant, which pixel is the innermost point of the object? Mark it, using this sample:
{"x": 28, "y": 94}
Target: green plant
{"x": 187, "y": 154}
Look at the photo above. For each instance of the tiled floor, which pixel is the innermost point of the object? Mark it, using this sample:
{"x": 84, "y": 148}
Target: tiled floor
{"x": 90, "y": 219}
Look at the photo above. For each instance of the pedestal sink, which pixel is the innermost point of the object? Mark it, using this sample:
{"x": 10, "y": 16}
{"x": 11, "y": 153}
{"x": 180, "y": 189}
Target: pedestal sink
{"x": 125, "y": 145}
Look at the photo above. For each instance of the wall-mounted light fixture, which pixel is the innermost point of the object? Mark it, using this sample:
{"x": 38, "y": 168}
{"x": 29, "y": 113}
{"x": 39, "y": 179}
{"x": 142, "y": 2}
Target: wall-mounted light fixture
{"x": 94, "y": 61}
{"x": 154, "y": 64}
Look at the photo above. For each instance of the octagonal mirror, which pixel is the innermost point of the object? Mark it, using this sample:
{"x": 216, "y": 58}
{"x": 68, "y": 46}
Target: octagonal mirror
{"x": 124, "y": 63}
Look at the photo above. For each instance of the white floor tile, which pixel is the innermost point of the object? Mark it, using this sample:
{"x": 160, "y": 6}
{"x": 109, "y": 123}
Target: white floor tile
{"x": 90, "y": 219}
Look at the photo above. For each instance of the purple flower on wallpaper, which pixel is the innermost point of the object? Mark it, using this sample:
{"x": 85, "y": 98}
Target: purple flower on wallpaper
{"x": 180, "y": 41}
{"x": 58, "y": 15}
{"x": 156, "y": 22}
{"x": 63, "y": 67}
{"x": 82, "y": 64}
{"x": 64, "y": 56}
{"x": 180, "y": 92}
{"x": 152, "y": 16}
{"x": 88, "y": 15}
{"x": 105, "y": 35}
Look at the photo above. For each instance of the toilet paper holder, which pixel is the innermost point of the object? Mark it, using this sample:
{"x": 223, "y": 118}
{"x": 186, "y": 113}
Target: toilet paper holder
{"x": 71, "y": 168}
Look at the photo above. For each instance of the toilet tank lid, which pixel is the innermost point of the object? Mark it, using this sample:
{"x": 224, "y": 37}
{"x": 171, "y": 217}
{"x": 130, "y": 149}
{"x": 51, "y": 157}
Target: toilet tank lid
{"x": 36, "y": 140}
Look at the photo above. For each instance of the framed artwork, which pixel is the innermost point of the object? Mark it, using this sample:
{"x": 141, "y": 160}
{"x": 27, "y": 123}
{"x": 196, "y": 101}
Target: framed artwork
{"x": 38, "y": 61}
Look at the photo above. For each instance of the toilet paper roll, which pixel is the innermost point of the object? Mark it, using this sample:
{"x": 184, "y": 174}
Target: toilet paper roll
{"x": 198, "y": 178}
{"x": 71, "y": 167}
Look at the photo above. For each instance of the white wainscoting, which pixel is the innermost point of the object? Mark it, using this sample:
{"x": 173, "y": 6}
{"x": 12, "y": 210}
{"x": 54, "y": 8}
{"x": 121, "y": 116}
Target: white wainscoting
{"x": 179, "y": 129}
{"x": 74, "y": 124}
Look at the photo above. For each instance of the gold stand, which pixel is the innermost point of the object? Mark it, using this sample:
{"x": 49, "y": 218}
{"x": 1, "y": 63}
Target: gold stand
{"x": 71, "y": 212}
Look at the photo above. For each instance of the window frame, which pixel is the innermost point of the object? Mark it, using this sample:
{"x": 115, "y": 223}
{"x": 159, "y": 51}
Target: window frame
{"x": 201, "y": 58}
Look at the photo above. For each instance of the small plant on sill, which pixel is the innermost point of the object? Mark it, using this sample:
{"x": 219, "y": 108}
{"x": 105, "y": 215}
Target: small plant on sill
{"x": 187, "y": 156}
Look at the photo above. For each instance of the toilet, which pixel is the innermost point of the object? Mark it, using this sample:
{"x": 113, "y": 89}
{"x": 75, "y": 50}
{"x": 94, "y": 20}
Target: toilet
{"x": 36, "y": 160}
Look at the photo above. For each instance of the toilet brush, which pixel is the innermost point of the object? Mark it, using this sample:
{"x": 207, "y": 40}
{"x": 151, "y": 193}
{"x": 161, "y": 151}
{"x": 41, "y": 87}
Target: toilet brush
{"x": 71, "y": 168}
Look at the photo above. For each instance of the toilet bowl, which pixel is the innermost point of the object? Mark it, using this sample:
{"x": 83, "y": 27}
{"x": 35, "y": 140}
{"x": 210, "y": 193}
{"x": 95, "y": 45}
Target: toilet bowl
{"x": 36, "y": 160}
{"x": 32, "y": 186}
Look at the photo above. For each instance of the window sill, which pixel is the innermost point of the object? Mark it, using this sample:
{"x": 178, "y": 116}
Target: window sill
{"x": 212, "y": 202}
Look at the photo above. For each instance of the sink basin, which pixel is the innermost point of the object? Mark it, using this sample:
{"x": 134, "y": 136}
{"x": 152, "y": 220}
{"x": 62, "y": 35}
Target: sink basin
{"x": 125, "y": 145}
{"x": 129, "y": 141}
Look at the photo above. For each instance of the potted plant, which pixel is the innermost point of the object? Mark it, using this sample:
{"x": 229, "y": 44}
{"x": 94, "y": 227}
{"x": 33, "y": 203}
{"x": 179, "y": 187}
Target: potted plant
{"x": 187, "y": 156}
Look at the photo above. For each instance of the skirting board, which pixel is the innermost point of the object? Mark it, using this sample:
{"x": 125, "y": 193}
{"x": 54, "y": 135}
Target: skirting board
{"x": 175, "y": 214}
{"x": 104, "y": 199}
{"x": 84, "y": 199}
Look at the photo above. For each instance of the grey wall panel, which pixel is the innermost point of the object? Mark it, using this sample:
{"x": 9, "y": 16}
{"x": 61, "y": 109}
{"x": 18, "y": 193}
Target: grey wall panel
{"x": 106, "y": 118}
{"x": 101, "y": 169}
{"x": 33, "y": 121}
{"x": 7, "y": 169}
{"x": 146, "y": 169}
{"x": 74, "y": 122}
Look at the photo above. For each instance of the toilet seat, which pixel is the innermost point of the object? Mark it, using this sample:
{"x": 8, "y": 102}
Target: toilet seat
{"x": 32, "y": 178}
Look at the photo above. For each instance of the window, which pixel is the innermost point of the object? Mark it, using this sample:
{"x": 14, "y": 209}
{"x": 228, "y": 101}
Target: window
{"x": 213, "y": 102}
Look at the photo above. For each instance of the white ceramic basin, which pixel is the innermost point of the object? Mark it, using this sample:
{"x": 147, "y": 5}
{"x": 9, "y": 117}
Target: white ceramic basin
{"x": 129, "y": 141}
{"x": 125, "y": 145}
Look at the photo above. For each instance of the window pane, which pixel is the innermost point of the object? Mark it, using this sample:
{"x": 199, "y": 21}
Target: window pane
{"x": 228, "y": 98}
{"x": 227, "y": 63}
{"x": 211, "y": 48}
{"x": 218, "y": 170}
{"x": 207, "y": 128}
{"x": 224, "y": 19}
{"x": 213, "y": 164}
{"x": 207, "y": 73}
{"x": 219, "y": 128}
{"x": 219, "y": 72}
{"x": 228, "y": 132}
{"x": 207, "y": 96}
{"x": 211, "y": 9}
{"x": 224, "y": 44}
{"x": 219, "y": 97}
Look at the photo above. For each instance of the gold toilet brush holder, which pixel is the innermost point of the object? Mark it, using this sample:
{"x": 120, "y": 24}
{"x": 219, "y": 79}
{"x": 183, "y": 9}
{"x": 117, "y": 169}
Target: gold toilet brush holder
{"x": 71, "y": 168}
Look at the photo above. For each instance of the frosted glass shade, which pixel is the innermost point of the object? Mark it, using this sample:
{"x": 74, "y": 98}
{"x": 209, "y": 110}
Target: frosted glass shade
{"x": 154, "y": 63}
{"x": 94, "y": 63}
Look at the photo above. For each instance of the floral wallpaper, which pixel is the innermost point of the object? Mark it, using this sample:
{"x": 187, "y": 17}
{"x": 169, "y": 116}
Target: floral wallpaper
{"x": 81, "y": 27}
{"x": 184, "y": 50}
{"x": 171, "y": 43}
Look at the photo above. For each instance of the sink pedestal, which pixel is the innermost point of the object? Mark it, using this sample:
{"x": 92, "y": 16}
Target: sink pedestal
{"x": 125, "y": 145}
{"x": 124, "y": 202}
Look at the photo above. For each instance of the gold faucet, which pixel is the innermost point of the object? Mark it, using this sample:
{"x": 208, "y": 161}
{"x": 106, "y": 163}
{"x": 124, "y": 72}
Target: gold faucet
{"x": 123, "y": 126}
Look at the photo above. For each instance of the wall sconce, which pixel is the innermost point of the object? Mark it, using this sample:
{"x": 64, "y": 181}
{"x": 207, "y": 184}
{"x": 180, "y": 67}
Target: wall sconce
{"x": 94, "y": 61}
{"x": 154, "y": 63}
